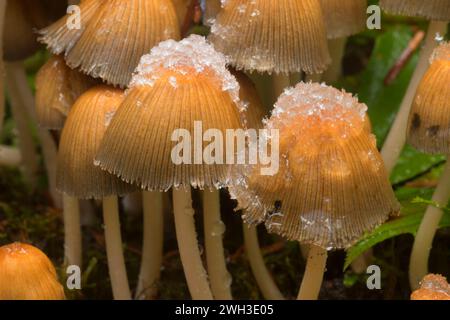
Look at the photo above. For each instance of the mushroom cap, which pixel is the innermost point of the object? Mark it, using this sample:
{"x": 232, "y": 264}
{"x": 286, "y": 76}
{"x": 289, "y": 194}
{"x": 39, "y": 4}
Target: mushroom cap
{"x": 85, "y": 126}
{"x": 57, "y": 88}
{"x": 283, "y": 36}
{"x": 114, "y": 36}
{"x": 432, "y": 287}
{"x": 344, "y": 18}
{"x": 428, "y": 125}
{"x": 26, "y": 273}
{"x": 21, "y": 18}
{"x": 430, "y": 9}
{"x": 331, "y": 186}
{"x": 254, "y": 112}
{"x": 177, "y": 84}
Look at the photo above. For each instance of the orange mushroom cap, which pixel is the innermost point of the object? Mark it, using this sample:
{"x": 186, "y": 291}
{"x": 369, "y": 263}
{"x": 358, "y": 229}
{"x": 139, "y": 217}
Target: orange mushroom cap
{"x": 432, "y": 287}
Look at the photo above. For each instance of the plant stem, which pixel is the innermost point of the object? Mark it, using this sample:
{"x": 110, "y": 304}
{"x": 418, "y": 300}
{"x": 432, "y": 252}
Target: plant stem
{"x": 396, "y": 138}
{"x": 152, "y": 249}
{"x": 214, "y": 228}
{"x": 72, "y": 231}
{"x": 9, "y": 156}
{"x": 114, "y": 250}
{"x": 262, "y": 276}
{"x": 418, "y": 265}
{"x": 313, "y": 277}
{"x": 337, "y": 50}
{"x": 196, "y": 277}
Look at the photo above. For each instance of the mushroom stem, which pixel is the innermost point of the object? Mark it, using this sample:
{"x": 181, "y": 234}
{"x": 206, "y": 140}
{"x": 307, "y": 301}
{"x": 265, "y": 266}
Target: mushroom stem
{"x": 313, "y": 77}
{"x": 262, "y": 276}
{"x": 312, "y": 279}
{"x": 30, "y": 158}
{"x": 152, "y": 249}
{"x": 337, "y": 50}
{"x": 23, "y": 104}
{"x": 214, "y": 228}
{"x": 114, "y": 250}
{"x": 280, "y": 82}
{"x": 9, "y": 156}
{"x": 396, "y": 138}
{"x": 418, "y": 265}
{"x": 196, "y": 277}
{"x": 72, "y": 231}
{"x": 2, "y": 65}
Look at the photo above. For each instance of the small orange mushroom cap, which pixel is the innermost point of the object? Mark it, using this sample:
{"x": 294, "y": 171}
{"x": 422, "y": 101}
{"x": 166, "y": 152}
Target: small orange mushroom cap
{"x": 429, "y": 119}
{"x": 282, "y": 36}
{"x": 432, "y": 287}
{"x": 26, "y": 273}
{"x": 57, "y": 88}
{"x": 85, "y": 126}
{"x": 331, "y": 186}
{"x": 174, "y": 86}
{"x": 430, "y": 9}
{"x": 114, "y": 36}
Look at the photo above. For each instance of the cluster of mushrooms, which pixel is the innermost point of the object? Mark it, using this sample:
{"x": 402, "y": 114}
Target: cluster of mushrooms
{"x": 116, "y": 89}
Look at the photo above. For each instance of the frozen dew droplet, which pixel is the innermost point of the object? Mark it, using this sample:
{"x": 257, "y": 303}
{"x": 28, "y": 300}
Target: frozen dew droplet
{"x": 218, "y": 229}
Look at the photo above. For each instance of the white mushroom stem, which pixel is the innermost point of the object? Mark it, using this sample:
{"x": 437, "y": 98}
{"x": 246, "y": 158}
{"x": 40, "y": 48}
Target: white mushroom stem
{"x": 396, "y": 138}
{"x": 72, "y": 231}
{"x": 313, "y": 77}
{"x": 418, "y": 266}
{"x": 262, "y": 276}
{"x": 313, "y": 276}
{"x": 22, "y": 101}
{"x": 337, "y": 50}
{"x": 9, "y": 156}
{"x": 196, "y": 277}
{"x": 114, "y": 249}
{"x": 279, "y": 83}
{"x": 152, "y": 249}
{"x": 215, "y": 257}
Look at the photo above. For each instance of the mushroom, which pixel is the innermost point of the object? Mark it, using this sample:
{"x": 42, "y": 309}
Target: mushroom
{"x": 432, "y": 287}
{"x": 26, "y": 273}
{"x": 428, "y": 131}
{"x": 177, "y": 88}
{"x": 254, "y": 115}
{"x": 57, "y": 88}
{"x": 212, "y": 8}
{"x": 79, "y": 178}
{"x": 113, "y": 37}
{"x": 343, "y": 18}
{"x": 331, "y": 186}
{"x": 438, "y": 12}
{"x": 279, "y": 37}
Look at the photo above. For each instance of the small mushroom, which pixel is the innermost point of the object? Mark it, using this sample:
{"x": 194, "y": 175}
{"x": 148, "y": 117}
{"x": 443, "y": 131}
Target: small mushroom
{"x": 26, "y": 273}
{"x": 438, "y": 12}
{"x": 429, "y": 131}
{"x": 432, "y": 287}
{"x": 176, "y": 87}
{"x": 113, "y": 37}
{"x": 331, "y": 186}
{"x": 79, "y": 178}
{"x": 57, "y": 88}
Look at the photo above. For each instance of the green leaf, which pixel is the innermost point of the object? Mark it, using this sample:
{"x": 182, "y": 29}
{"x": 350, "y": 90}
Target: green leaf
{"x": 412, "y": 213}
{"x": 413, "y": 163}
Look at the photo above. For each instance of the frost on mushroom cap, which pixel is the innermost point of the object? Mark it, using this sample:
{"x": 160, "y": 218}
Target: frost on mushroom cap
{"x": 26, "y": 273}
{"x": 430, "y": 9}
{"x": 282, "y": 36}
{"x": 428, "y": 128}
{"x": 114, "y": 36}
{"x": 85, "y": 126}
{"x": 432, "y": 287}
{"x": 57, "y": 88}
{"x": 192, "y": 55}
{"x": 344, "y": 18}
{"x": 174, "y": 86}
{"x": 331, "y": 186}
